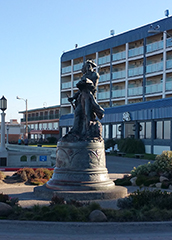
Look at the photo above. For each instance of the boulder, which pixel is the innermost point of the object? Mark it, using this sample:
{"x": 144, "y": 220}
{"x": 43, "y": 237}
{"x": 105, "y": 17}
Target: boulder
{"x": 5, "y": 209}
{"x": 133, "y": 181}
{"x": 158, "y": 185}
{"x": 162, "y": 178}
{"x": 97, "y": 216}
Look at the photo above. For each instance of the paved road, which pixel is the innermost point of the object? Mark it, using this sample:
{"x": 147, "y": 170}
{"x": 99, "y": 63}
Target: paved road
{"x": 123, "y": 165}
{"x": 24, "y": 230}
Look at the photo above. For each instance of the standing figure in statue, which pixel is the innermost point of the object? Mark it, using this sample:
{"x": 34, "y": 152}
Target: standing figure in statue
{"x": 86, "y": 106}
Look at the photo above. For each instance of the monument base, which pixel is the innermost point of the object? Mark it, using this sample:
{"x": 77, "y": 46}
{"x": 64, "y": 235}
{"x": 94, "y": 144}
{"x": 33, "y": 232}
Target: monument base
{"x": 80, "y": 166}
{"x": 81, "y": 174}
{"x": 115, "y": 193}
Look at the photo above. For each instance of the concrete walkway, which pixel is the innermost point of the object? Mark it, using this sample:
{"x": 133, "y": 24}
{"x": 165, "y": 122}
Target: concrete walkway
{"x": 117, "y": 168}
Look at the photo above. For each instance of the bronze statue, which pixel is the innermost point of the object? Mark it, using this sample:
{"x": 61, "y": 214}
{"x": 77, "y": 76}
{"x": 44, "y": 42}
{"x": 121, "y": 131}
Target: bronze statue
{"x": 86, "y": 107}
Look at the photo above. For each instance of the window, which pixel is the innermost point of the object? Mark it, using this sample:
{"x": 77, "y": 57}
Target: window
{"x": 105, "y": 131}
{"x": 118, "y": 130}
{"x": 23, "y": 158}
{"x": 33, "y": 158}
{"x": 40, "y": 126}
{"x": 163, "y": 129}
{"x": 63, "y": 131}
{"x": 56, "y": 124}
{"x": 167, "y": 129}
{"x": 114, "y": 131}
{"x": 159, "y": 128}
{"x": 50, "y": 126}
{"x": 36, "y": 126}
{"x": 142, "y": 130}
{"x": 148, "y": 130}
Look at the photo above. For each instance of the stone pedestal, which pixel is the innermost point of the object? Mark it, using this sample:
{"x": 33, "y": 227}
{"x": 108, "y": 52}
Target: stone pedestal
{"x": 80, "y": 166}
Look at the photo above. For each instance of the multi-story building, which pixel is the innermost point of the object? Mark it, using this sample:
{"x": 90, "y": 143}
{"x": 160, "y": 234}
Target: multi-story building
{"x": 135, "y": 85}
{"x": 42, "y": 122}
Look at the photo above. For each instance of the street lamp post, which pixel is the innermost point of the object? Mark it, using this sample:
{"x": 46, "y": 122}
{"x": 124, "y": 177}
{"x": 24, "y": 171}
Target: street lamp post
{"x": 3, "y": 107}
{"x": 26, "y": 132}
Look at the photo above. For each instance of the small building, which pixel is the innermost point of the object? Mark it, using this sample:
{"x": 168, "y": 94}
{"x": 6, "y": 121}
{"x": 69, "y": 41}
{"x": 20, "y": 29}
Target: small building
{"x": 13, "y": 131}
{"x": 43, "y": 123}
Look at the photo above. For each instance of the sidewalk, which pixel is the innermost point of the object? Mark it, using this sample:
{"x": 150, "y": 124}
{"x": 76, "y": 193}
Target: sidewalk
{"x": 27, "y": 198}
{"x": 117, "y": 168}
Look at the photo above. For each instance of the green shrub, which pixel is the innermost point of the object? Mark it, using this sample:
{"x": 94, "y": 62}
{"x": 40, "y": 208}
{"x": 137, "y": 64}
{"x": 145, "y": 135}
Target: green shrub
{"x": 123, "y": 181}
{"x": 150, "y": 199}
{"x": 43, "y": 173}
{"x": 52, "y": 140}
{"x": 110, "y": 143}
{"x": 151, "y": 180}
{"x": 162, "y": 164}
{"x": 57, "y": 200}
{"x": 38, "y": 177}
{"x": 131, "y": 145}
{"x": 165, "y": 184}
{"x": 6, "y": 199}
{"x": 140, "y": 180}
{"x": 30, "y": 173}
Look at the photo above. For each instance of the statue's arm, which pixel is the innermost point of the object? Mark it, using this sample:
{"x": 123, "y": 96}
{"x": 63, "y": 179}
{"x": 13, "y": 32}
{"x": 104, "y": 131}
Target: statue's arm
{"x": 75, "y": 96}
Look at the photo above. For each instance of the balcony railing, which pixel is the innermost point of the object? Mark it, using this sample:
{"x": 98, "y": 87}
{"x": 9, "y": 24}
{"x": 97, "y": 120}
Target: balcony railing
{"x": 77, "y": 67}
{"x": 154, "y": 88}
{"x": 66, "y": 85}
{"x": 37, "y": 118}
{"x": 135, "y": 71}
{"x": 65, "y": 100}
{"x": 135, "y": 51}
{"x": 118, "y": 93}
{"x": 118, "y": 56}
{"x": 155, "y": 67}
{"x": 66, "y": 69}
{"x": 118, "y": 75}
{"x": 169, "y": 42}
{"x": 103, "y": 60}
{"x": 104, "y": 77}
{"x": 169, "y": 64}
{"x": 135, "y": 91}
{"x": 103, "y": 95}
{"x": 154, "y": 46}
{"x": 168, "y": 86}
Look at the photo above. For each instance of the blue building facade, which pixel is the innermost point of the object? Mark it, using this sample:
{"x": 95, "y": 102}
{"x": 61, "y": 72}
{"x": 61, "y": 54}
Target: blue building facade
{"x": 135, "y": 85}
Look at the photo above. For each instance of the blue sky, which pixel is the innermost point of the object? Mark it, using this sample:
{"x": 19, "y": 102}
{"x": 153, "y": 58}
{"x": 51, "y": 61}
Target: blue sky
{"x": 34, "y": 34}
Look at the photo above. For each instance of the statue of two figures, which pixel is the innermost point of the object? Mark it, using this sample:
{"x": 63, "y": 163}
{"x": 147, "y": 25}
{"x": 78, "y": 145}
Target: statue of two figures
{"x": 85, "y": 126}
{"x": 80, "y": 155}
